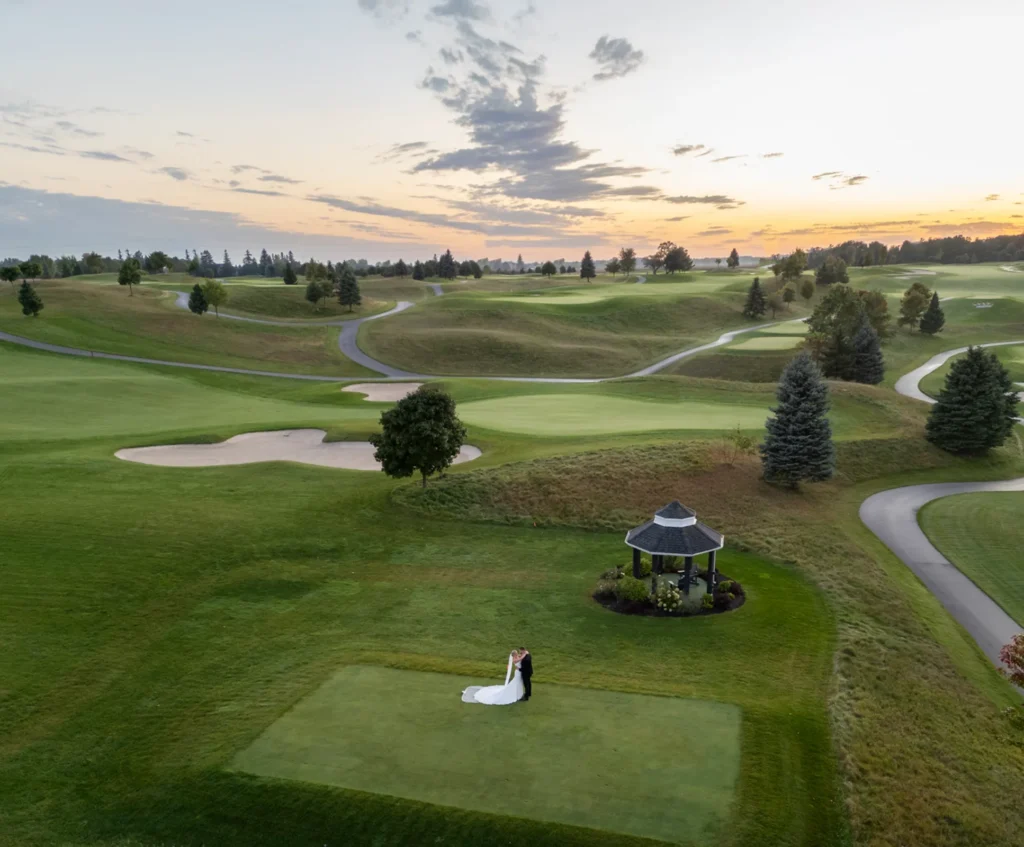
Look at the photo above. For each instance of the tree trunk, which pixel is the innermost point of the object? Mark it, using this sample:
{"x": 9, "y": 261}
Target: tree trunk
{"x": 424, "y": 475}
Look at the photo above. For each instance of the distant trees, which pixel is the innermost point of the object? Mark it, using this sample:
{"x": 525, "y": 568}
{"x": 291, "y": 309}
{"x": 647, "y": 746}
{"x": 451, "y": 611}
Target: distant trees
{"x": 314, "y": 294}
{"x": 289, "y": 276}
{"x": 676, "y": 258}
{"x": 734, "y": 259}
{"x": 417, "y": 270}
{"x": 197, "y": 304}
{"x": 348, "y": 289}
{"x": 266, "y": 266}
{"x": 775, "y": 302}
{"x": 755, "y": 306}
{"x": 10, "y": 273}
{"x": 913, "y": 305}
{"x": 934, "y": 318}
{"x": 477, "y": 271}
{"x": 835, "y": 333}
{"x": 791, "y": 267}
{"x": 226, "y": 268}
{"x": 798, "y": 445}
{"x": 807, "y": 289}
{"x": 654, "y": 262}
{"x": 612, "y": 266}
{"x": 31, "y": 302}
{"x": 977, "y": 407}
{"x": 788, "y": 294}
{"x": 868, "y": 363}
{"x": 627, "y": 260}
{"x": 156, "y": 262}
{"x": 130, "y": 274}
{"x": 446, "y": 267}
{"x": 832, "y": 270}
{"x": 548, "y": 269}
{"x": 401, "y": 269}
{"x": 718, "y": 262}
{"x": 31, "y": 269}
{"x": 587, "y": 269}
{"x": 421, "y": 433}
{"x": 216, "y": 294}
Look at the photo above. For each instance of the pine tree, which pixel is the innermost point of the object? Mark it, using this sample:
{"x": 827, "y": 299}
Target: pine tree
{"x": 314, "y": 293}
{"x": 348, "y": 289}
{"x": 289, "y": 276}
{"x": 977, "y": 408}
{"x": 799, "y": 441}
{"x": 755, "y": 306}
{"x": 197, "y": 304}
{"x": 933, "y": 319}
{"x": 587, "y": 269}
{"x": 446, "y": 266}
{"x": 266, "y": 265}
{"x": 31, "y": 303}
{"x": 868, "y": 364}
{"x": 417, "y": 271}
{"x": 734, "y": 259}
{"x": 838, "y": 356}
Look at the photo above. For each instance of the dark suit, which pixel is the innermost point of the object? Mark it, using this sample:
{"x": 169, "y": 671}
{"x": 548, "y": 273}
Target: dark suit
{"x": 526, "y": 671}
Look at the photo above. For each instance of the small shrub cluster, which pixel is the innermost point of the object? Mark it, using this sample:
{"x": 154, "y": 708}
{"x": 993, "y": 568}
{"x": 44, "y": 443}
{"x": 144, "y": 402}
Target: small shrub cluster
{"x": 728, "y": 594}
{"x": 631, "y": 590}
{"x": 669, "y": 598}
{"x": 620, "y": 591}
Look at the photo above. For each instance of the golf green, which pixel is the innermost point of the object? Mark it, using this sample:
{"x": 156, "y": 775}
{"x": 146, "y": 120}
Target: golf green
{"x": 778, "y": 342}
{"x": 585, "y": 757}
{"x": 787, "y": 328}
{"x": 579, "y": 297}
{"x": 593, "y": 414}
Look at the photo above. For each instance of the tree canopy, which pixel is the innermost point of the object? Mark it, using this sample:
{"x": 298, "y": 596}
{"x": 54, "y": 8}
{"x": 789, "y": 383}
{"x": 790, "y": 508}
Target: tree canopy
{"x": 677, "y": 259}
{"x": 31, "y": 302}
{"x": 734, "y": 259}
{"x": 421, "y": 433}
{"x": 197, "y": 300}
{"x": 832, "y": 270}
{"x": 587, "y": 270}
{"x": 913, "y": 305}
{"x": 627, "y": 260}
{"x": 348, "y": 289}
{"x": 130, "y": 274}
{"x": 934, "y": 318}
{"x": 289, "y": 276}
{"x": 755, "y": 306}
{"x": 216, "y": 294}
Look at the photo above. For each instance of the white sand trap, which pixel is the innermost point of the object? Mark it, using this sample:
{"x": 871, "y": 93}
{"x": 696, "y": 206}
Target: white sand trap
{"x": 383, "y": 392}
{"x": 305, "y": 446}
{"x": 1011, "y": 269}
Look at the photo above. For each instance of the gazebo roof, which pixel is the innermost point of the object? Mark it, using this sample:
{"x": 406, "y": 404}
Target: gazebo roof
{"x": 675, "y": 531}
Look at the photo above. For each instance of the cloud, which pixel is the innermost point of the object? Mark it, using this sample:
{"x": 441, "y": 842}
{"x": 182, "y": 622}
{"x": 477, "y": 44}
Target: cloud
{"x": 839, "y": 180}
{"x": 707, "y": 152}
{"x": 238, "y": 169}
{"x": 179, "y": 174}
{"x": 184, "y": 134}
{"x": 451, "y": 57}
{"x": 264, "y": 193}
{"x": 139, "y": 154}
{"x": 267, "y": 177}
{"x": 827, "y": 175}
{"x": 971, "y": 228}
{"x": 30, "y": 148}
{"x": 707, "y": 199}
{"x": 68, "y": 126}
{"x": 678, "y": 218}
{"x": 711, "y": 233}
{"x": 414, "y": 36}
{"x": 616, "y": 58}
{"x": 683, "y": 149}
{"x": 855, "y": 180}
{"x": 772, "y": 155}
{"x": 992, "y": 197}
{"x": 388, "y": 10}
{"x": 497, "y": 101}
{"x": 462, "y": 9}
{"x": 103, "y": 155}
{"x": 728, "y": 158}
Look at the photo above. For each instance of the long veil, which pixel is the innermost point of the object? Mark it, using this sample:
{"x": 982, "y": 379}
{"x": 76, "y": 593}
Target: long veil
{"x": 508, "y": 673}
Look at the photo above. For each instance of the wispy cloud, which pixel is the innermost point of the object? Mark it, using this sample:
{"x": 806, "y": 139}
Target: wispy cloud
{"x": 615, "y": 57}
{"x": 714, "y": 231}
{"x": 684, "y": 149}
{"x": 287, "y": 180}
{"x": 728, "y": 158}
{"x": 772, "y": 155}
{"x": 31, "y": 148}
{"x": 264, "y": 193}
{"x": 678, "y": 218}
{"x": 826, "y": 175}
{"x": 103, "y": 155}
{"x": 69, "y": 126}
{"x": 179, "y": 174}
{"x": 137, "y": 153}
{"x": 991, "y": 197}
{"x": 409, "y": 148}
{"x": 706, "y": 200}
{"x": 467, "y": 10}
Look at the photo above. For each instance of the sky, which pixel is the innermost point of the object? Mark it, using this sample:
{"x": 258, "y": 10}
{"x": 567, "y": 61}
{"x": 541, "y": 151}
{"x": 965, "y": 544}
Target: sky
{"x": 382, "y": 129}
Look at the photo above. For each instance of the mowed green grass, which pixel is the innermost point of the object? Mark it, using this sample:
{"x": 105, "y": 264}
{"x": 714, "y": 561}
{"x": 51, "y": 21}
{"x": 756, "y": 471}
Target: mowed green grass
{"x": 768, "y": 342}
{"x": 104, "y": 318}
{"x": 288, "y": 302}
{"x": 981, "y": 535}
{"x": 408, "y": 734}
{"x": 157, "y": 621}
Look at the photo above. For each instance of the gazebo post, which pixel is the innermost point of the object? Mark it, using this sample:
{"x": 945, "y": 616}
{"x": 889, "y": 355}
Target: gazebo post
{"x": 655, "y": 570}
{"x": 687, "y": 573}
{"x": 636, "y": 563}
{"x": 711, "y": 571}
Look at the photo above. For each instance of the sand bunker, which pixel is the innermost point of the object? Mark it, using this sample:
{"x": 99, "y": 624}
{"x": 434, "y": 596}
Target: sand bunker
{"x": 1011, "y": 269}
{"x": 289, "y": 445}
{"x": 384, "y": 392}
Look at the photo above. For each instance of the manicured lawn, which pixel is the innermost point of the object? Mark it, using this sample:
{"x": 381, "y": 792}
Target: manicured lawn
{"x": 981, "y": 535}
{"x": 288, "y": 302}
{"x": 768, "y": 342}
{"x": 571, "y": 755}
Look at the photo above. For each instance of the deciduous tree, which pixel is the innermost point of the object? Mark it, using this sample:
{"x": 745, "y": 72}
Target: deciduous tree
{"x": 833, "y": 270}
{"x": 31, "y": 269}
{"x": 1012, "y": 656}
{"x": 627, "y": 260}
{"x": 612, "y": 266}
{"x": 913, "y": 305}
{"x": 734, "y": 259}
{"x": 421, "y": 433}
{"x": 216, "y": 294}
{"x": 130, "y": 274}
{"x": 548, "y": 269}
{"x": 798, "y": 445}
{"x": 10, "y": 273}
{"x": 977, "y": 407}
{"x": 677, "y": 259}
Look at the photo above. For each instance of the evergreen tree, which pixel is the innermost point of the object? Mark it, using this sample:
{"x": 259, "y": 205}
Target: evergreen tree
{"x": 417, "y": 271}
{"x": 799, "y": 445}
{"x": 755, "y": 306}
{"x": 314, "y": 293}
{"x": 401, "y": 269}
{"x": 475, "y": 269}
{"x": 130, "y": 274}
{"x": 227, "y": 269}
{"x": 289, "y": 275}
{"x": 587, "y": 270}
{"x": 933, "y": 319}
{"x": 446, "y": 266}
{"x": 31, "y": 303}
{"x": 837, "y": 355}
{"x": 868, "y": 364}
{"x": 977, "y": 408}
{"x": 421, "y": 433}
{"x": 913, "y": 305}
{"x": 266, "y": 265}
{"x": 348, "y": 289}
{"x": 734, "y": 259}
{"x": 197, "y": 304}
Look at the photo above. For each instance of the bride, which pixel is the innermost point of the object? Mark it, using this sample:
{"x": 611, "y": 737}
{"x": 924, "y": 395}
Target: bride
{"x": 499, "y": 695}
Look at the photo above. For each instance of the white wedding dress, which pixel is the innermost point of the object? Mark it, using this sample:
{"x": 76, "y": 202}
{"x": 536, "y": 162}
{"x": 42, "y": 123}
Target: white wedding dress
{"x": 498, "y": 695}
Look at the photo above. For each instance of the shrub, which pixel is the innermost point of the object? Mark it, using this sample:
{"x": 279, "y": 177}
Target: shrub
{"x": 707, "y": 602}
{"x": 613, "y": 573}
{"x": 669, "y": 598}
{"x": 691, "y": 604}
{"x": 723, "y": 599}
{"x": 632, "y": 590}
{"x": 645, "y": 565}
{"x": 605, "y": 589}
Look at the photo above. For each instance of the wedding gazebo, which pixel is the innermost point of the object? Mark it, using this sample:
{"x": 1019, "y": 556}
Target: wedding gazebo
{"x": 675, "y": 531}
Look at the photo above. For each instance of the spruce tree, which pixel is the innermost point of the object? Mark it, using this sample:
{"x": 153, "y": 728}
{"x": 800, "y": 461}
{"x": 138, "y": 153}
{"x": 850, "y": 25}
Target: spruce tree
{"x": 587, "y": 269}
{"x": 197, "y": 304}
{"x": 289, "y": 275}
{"x": 934, "y": 319}
{"x": 868, "y": 364}
{"x": 799, "y": 441}
{"x": 977, "y": 408}
{"x": 417, "y": 271}
{"x": 31, "y": 303}
{"x": 755, "y": 306}
{"x": 348, "y": 289}
{"x": 838, "y": 357}
{"x": 446, "y": 266}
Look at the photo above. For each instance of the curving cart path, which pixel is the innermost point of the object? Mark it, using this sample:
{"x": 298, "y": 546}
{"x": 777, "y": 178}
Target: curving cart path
{"x": 909, "y": 385}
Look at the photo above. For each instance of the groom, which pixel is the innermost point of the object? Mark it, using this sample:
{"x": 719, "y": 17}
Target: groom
{"x": 526, "y": 671}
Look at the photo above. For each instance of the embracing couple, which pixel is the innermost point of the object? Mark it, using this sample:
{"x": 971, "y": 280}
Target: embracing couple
{"x": 517, "y": 683}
